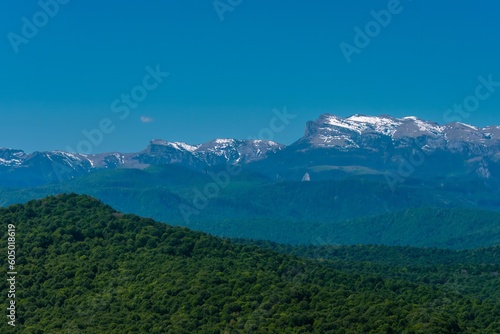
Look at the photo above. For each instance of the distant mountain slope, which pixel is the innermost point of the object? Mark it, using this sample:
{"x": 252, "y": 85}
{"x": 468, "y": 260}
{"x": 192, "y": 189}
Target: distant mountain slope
{"x": 397, "y": 149}
{"x": 292, "y": 212}
{"x": 86, "y": 268}
{"x": 442, "y": 228}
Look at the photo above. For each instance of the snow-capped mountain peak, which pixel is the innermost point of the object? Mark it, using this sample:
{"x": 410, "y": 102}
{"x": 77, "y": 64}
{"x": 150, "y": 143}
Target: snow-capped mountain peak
{"x": 11, "y": 157}
{"x": 175, "y": 145}
{"x": 358, "y": 132}
{"x": 225, "y": 141}
{"x": 361, "y": 123}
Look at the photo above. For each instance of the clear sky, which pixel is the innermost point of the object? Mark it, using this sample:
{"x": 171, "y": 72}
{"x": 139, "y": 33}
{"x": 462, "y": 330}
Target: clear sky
{"x": 65, "y": 72}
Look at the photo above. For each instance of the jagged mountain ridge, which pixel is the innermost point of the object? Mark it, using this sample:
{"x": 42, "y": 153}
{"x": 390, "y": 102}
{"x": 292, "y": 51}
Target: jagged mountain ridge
{"x": 44, "y": 167}
{"x": 383, "y": 145}
{"x": 370, "y": 144}
{"x": 351, "y": 133}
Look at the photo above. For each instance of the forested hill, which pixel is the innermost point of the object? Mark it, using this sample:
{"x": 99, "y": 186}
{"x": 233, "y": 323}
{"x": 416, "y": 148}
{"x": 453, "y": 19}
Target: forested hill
{"x": 85, "y": 268}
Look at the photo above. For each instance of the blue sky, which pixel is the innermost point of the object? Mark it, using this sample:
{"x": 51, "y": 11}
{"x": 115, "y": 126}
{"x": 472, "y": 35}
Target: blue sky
{"x": 226, "y": 76}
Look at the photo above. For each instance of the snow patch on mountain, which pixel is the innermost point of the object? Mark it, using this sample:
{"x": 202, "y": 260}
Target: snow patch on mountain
{"x": 339, "y": 122}
{"x": 428, "y": 127}
{"x": 469, "y": 126}
{"x": 10, "y": 162}
{"x": 184, "y": 146}
{"x": 383, "y": 125}
{"x": 176, "y": 145}
{"x": 225, "y": 141}
{"x": 266, "y": 142}
{"x": 360, "y": 124}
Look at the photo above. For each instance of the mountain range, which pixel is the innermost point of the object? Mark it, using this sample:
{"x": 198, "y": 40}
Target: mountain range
{"x": 397, "y": 149}
{"x": 371, "y": 180}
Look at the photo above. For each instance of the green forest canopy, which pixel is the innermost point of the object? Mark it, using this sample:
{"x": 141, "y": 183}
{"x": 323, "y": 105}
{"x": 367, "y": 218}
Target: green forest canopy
{"x": 85, "y": 268}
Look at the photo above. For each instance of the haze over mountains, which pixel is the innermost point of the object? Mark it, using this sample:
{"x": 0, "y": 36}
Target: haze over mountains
{"x": 331, "y": 147}
{"x": 372, "y": 180}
